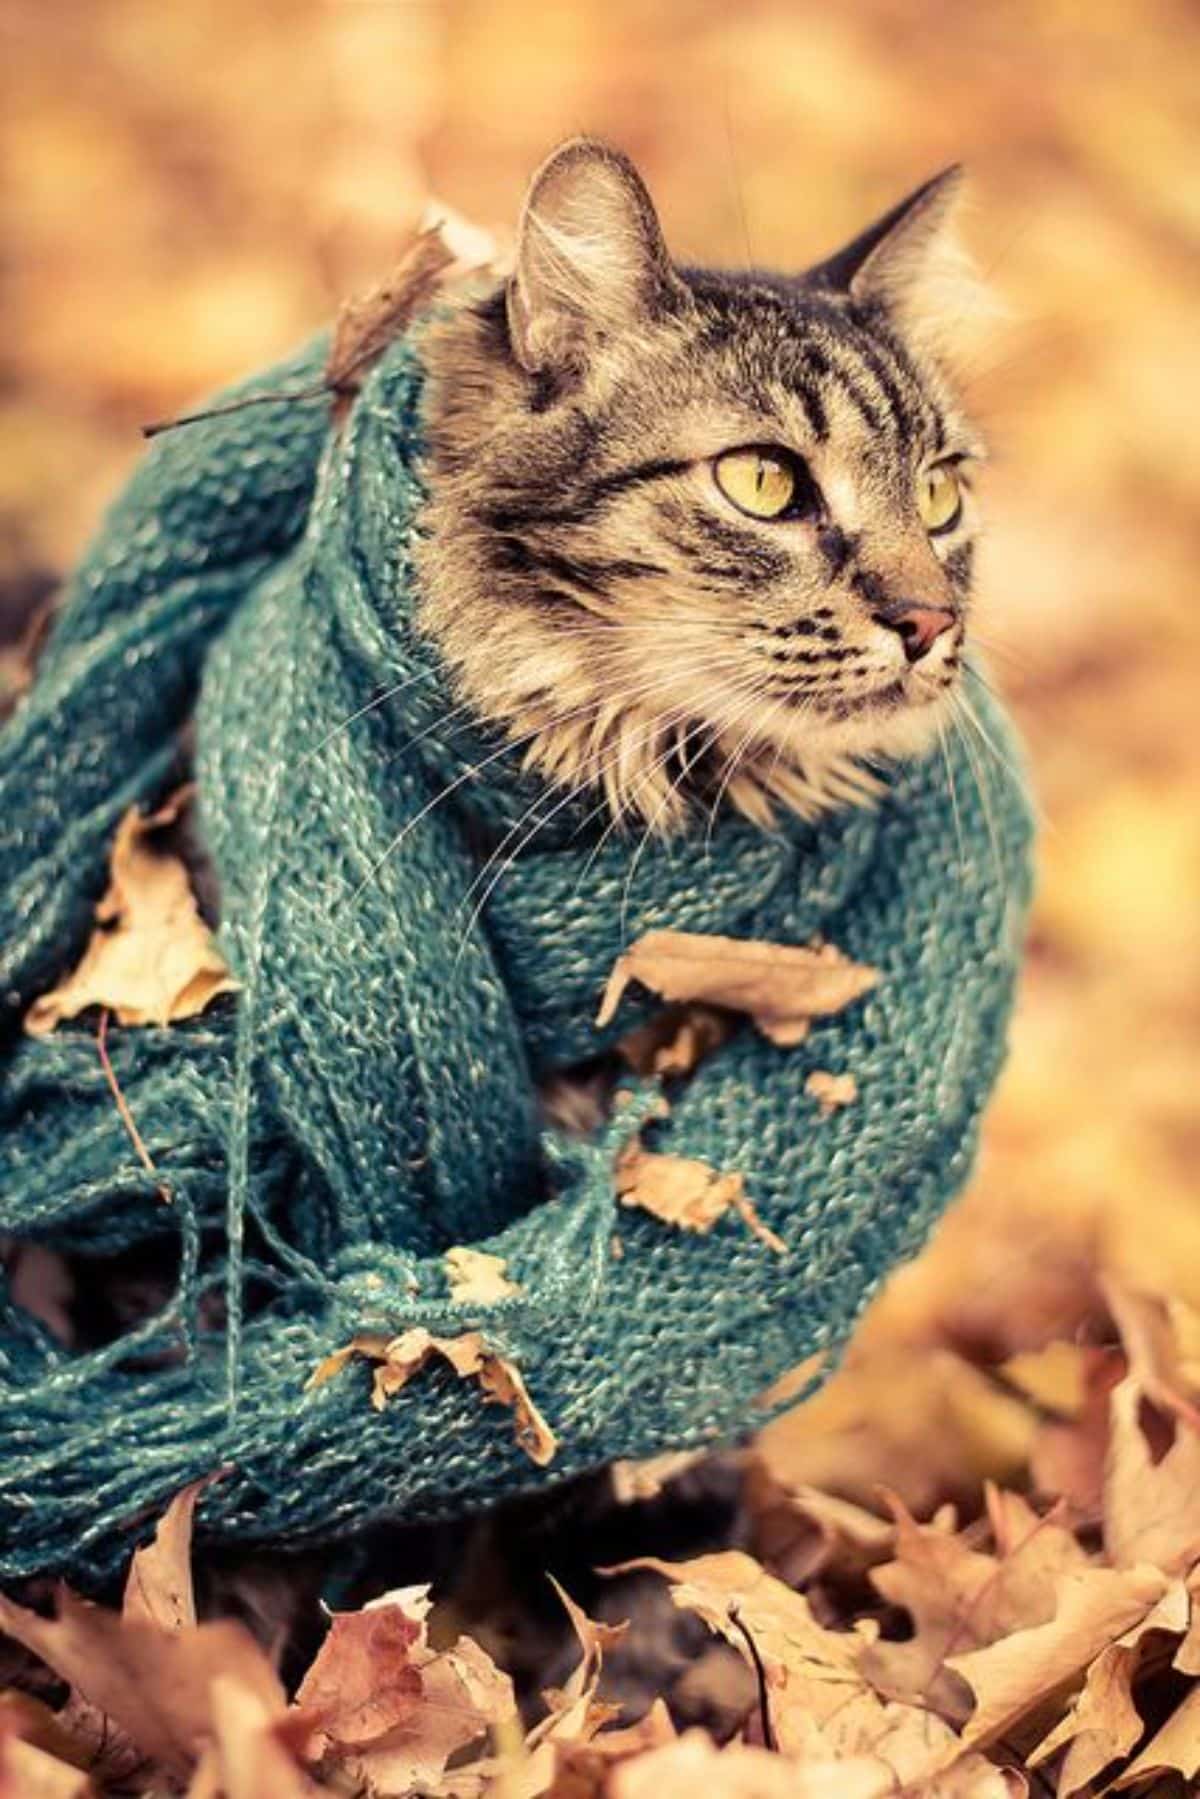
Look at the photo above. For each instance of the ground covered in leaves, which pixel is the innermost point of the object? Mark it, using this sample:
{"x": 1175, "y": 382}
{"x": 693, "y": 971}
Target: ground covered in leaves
{"x": 973, "y": 1553}
{"x": 794, "y": 1640}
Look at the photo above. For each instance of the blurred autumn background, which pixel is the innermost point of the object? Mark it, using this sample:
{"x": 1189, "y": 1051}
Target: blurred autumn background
{"x": 194, "y": 186}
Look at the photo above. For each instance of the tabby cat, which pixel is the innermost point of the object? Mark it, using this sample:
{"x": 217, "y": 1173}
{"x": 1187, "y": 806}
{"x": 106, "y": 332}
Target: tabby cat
{"x": 695, "y": 533}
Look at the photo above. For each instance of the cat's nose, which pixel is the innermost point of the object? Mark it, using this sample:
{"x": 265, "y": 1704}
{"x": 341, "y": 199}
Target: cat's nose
{"x": 917, "y": 627}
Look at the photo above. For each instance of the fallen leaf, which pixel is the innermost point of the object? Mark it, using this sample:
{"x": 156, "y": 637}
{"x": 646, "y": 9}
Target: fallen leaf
{"x": 783, "y": 987}
{"x": 151, "y": 958}
{"x": 363, "y": 1681}
{"x": 694, "y": 1764}
{"x": 959, "y": 1598}
{"x": 1175, "y": 1749}
{"x": 582, "y": 1770}
{"x": 158, "y": 1588}
{"x": 831, "y": 1091}
{"x": 254, "y": 1754}
{"x": 389, "y": 1711}
{"x": 30, "y": 1773}
{"x": 686, "y": 1193}
{"x": 674, "y": 1043}
{"x": 401, "y": 1357}
{"x": 816, "y": 1670}
{"x": 477, "y": 1278}
{"x": 1151, "y": 1507}
{"x": 368, "y": 324}
{"x": 635, "y": 1482}
{"x": 1148, "y": 1335}
{"x": 1103, "y": 1724}
{"x": 1010, "y": 1678}
{"x": 154, "y": 1683}
{"x": 802, "y": 1532}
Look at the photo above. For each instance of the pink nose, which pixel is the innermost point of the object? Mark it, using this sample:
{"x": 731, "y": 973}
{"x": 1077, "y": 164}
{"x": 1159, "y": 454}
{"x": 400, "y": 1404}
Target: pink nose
{"x": 917, "y": 627}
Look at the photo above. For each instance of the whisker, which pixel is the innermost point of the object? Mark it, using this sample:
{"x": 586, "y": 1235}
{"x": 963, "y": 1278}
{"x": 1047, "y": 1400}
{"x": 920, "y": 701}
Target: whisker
{"x": 953, "y": 787}
{"x": 652, "y": 727}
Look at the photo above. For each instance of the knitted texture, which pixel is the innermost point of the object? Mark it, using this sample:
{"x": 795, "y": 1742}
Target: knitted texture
{"x": 367, "y": 1100}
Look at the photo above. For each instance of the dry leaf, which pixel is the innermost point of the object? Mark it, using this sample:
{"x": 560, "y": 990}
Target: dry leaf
{"x": 369, "y": 324}
{"x": 960, "y": 1598}
{"x": 1151, "y": 1508}
{"x": 158, "y": 1588}
{"x": 635, "y": 1482}
{"x": 363, "y": 1681}
{"x": 802, "y": 1532}
{"x": 389, "y": 1711}
{"x": 401, "y": 1357}
{"x": 1013, "y": 1676}
{"x": 1175, "y": 1749}
{"x": 582, "y": 1769}
{"x": 831, "y": 1091}
{"x": 781, "y": 986}
{"x": 817, "y": 1669}
{"x": 688, "y": 1194}
{"x": 675, "y": 1042}
{"x": 1148, "y": 1336}
{"x": 1103, "y": 1724}
{"x": 153, "y": 1682}
{"x": 694, "y": 1764}
{"x": 30, "y": 1773}
{"x": 254, "y": 1754}
{"x": 477, "y": 1278}
{"x": 151, "y": 959}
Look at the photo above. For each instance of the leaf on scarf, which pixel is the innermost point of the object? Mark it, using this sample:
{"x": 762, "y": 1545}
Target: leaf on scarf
{"x": 477, "y": 1278}
{"x": 1151, "y": 1506}
{"x": 401, "y": 1357}
{"x": 782, "y": 987}
{"x": 1012, "y": 1677}
{"x": 1103, "y": 1724}
{"x": 831, "y": 1091}
{"x": 151, "y": 958}
{"x": 369, "y": 323}
{"x": 675, "y": 1042}
{"x": 158, "y": 1587}
{"x": 686, "y": 1193}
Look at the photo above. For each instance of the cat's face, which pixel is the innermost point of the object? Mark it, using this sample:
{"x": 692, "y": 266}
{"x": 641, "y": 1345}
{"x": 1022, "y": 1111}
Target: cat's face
{"x": 689, "y": 529}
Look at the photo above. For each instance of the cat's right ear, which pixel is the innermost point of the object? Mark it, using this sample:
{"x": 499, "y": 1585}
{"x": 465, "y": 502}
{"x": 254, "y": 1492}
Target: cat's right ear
{"x": 591, "y": 262}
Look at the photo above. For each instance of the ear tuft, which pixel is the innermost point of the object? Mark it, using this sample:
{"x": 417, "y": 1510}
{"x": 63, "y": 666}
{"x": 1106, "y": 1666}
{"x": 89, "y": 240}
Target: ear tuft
{"x": 591, "y": 260}
{"x": 912, "y": 263}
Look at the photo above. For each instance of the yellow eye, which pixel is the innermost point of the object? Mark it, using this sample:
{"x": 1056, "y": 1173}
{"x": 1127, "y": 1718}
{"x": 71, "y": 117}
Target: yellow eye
{"x": 939, "y": 498}
{"x": 759, "y": 482}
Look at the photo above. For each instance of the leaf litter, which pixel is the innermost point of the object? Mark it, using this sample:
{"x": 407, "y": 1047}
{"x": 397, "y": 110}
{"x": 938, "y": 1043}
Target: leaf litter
{"x": 1029, "y": 1650}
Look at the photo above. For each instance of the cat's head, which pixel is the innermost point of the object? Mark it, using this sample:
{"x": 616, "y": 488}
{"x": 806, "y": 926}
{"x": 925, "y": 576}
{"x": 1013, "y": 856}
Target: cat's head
{"x": 694, "y": 532}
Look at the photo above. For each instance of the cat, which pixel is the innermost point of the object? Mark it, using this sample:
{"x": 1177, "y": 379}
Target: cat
{"x": 694, "y": 534}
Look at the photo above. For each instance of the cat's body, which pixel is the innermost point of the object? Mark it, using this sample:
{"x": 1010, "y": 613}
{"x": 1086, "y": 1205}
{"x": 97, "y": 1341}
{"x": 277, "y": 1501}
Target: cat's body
{"x": 591, "y": 583}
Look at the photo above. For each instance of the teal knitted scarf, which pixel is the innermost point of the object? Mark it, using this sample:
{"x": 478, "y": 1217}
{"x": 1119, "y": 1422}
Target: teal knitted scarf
{"x": 368, "y": 1099}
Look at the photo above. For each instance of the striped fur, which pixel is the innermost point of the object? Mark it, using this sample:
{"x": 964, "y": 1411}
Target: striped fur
{"x": 588, "y": 584}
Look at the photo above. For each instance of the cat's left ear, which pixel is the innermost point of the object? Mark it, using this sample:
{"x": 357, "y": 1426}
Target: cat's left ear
{"x": 913, "y": 264}
{"x": 591, "y": 262}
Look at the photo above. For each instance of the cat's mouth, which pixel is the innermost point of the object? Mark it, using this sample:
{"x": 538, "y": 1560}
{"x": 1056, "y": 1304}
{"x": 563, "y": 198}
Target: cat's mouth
{"x": 905, "y": 692}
